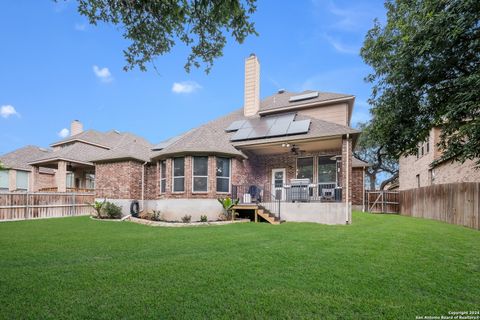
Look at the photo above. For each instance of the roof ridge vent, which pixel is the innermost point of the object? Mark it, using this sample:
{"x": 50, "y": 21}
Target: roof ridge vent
{"x": 280, "y": 91}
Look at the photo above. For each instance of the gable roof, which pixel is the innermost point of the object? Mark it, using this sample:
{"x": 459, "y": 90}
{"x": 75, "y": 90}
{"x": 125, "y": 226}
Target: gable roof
{"x": 212, "y": 137}
{"x": 19, "y": 159}
{"x": 91, "y": 145}
{"x": 281, "y": 101}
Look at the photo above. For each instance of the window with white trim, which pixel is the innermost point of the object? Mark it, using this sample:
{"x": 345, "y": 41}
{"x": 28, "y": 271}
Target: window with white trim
{"x": 223, "y": 174}
{"x": 178, "y": 174}
{"x": 163, "y": 176}
{"x": 200, "y": 174}
{"x": 4, "y": 180}
{"x": 22, "y": 180}
{"x": 70, "y": 179}
{"x": 90, "y": 181}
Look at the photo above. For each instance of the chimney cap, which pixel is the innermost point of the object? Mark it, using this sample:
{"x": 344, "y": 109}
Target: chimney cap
{"x": 281, "y": 90}
{"x": 252, "y": 54}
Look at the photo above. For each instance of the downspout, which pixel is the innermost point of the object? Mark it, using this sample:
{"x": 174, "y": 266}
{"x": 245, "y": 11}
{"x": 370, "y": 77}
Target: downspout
{"x": 363, "y": 191}
{"x": 347, "y": 183}
{"x": 143, "y": 186}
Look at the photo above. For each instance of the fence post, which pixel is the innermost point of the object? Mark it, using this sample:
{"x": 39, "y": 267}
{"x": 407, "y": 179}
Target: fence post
{"x": 74, "y": 204}
{"x": 26, "y": 206}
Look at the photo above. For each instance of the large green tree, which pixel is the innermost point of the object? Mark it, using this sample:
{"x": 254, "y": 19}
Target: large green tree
{"x": 426, "y": 73}
{"x": 381, "y": 164}
{"x": 155, "y": 26}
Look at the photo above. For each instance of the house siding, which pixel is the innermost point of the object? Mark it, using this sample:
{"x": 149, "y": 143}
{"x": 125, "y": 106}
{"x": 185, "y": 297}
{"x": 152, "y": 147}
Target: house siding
{"x": 337, "y": 113}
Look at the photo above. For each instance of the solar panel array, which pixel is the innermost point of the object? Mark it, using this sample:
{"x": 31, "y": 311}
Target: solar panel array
{"x": 267, "y": 127}
{"x": 304, "y": 96}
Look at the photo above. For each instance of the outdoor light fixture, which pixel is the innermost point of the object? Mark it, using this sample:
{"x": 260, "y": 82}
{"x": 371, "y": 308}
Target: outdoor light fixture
{"x": 286, "y": 145}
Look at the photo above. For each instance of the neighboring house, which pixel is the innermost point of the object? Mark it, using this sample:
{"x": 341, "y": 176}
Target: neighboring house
{"x": 17, "y": 173}
{"x": 267, "y": 145}
{"x": 71, "y": 158}
{"x": 425, "y": 169}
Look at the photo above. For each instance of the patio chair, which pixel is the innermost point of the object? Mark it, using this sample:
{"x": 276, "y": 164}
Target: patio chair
{"x": 255, "y": 193}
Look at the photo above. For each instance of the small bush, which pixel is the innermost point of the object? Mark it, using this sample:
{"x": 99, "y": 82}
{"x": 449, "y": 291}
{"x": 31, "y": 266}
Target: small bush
{"x": 156, "y": 215}
{"x": 186, "y": 218}
{"x": 112, "y": 211}
{"x": 203, "y": 218}
{"x": 145, "y": 215}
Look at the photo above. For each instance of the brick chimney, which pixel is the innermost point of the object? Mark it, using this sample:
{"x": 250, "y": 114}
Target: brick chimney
{"x": 76, "y": 127}
{"x": 251, "y": 104}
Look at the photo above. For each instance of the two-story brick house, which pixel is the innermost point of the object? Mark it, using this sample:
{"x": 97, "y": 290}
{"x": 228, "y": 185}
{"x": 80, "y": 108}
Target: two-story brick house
{"x": 425, "y": 169}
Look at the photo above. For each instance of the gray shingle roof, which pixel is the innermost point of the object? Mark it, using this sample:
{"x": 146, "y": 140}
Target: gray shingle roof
{"x": 212, "y": 138}
{"x": 120, "y": 145}
{"x": 19, "y": 159}
{"x": 359, "y": 163}
{"x": 280, "y": 101}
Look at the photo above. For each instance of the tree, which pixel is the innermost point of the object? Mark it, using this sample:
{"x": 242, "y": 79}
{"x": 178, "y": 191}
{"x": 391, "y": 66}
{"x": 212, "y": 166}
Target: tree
{"x": 368, "y": 150}
{"x": 426, "y": 73}
{"x": 155, "y": 26}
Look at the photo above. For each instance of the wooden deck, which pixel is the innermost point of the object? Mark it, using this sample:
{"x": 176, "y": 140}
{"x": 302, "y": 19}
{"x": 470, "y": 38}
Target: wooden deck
{"x": 259, "y": 211}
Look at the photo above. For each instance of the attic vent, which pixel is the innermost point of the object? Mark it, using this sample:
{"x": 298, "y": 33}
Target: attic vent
{"x": 116, "y": 131}
{"x": 281, "y": 91}
{"x": 305, "y": 96}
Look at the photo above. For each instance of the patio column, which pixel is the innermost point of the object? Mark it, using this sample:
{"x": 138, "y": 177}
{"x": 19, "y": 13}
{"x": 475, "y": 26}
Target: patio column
{"x": 61, "y": 176}
{"x": 347, "y": 176}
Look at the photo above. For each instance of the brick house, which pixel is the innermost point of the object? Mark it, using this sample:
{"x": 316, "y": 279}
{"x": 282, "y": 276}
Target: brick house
{"x": 17, "y": 173}
{"x": 268, "y": 145}
{"x": 424, "y": 169}
{"x": 291, "y": 149}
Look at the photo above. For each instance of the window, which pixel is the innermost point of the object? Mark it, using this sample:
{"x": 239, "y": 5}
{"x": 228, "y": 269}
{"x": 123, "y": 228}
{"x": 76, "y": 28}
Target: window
{"x": 3, "y": 179}
{"x": 70, "y": 180}
{"x": 418, "y": 180}
{"x": 327, "y": 170}
{"x": 90, "y": 181}
{"x": 178, "y": 174}
{"x": 431, "y": 172}
{"x": 200, "y": 174}
{"x": 163, "y": 176}
{"x": 22, "y": 180}
{"x": 223, "y": 174}
{"x": 305, "y": 168}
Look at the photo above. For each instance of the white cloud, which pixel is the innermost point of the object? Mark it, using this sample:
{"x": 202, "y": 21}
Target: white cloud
{"x": 185, "y": 87}
{"x": 341, "y": 47}
{"x": 102, "y": 73}
{"x": 80, "y": 26}
{"x": 7, "y": 111}
{"x": 63, "y": 133}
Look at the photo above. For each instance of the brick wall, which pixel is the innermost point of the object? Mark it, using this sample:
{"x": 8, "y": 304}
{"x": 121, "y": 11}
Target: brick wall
{"x": 118, "y": 180}
{"x": 446, "y": 172}
{"x": 357, "y": 186}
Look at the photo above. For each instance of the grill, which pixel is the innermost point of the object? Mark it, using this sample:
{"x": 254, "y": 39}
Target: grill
{"x": 299, "y": 190}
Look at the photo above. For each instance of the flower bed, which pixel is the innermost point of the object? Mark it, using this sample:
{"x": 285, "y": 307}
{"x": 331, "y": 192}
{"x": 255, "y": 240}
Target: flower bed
{"x": 182, "y": 224}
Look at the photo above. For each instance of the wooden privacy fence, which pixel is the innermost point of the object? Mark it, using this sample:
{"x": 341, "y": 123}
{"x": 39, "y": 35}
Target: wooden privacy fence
{"x": 455, "y": 203}
{"x": 24, "y": 206}
{"x": 382, "y": 201}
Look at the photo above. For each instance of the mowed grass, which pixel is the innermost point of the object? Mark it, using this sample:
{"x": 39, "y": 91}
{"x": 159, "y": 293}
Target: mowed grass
{"x": 381, "y": 267}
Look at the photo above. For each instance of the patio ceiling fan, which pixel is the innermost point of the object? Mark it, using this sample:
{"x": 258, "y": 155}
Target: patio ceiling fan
{"x": 296, "y": 149}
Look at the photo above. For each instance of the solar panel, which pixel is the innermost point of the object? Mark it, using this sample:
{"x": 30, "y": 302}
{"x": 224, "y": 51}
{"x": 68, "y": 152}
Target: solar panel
{"x": 235, "y": 125}
{"x": 279, "y": 128}
{"x": 241, "y": 134}
{"x": 304, "y": 96}
{"x": 297, "y": 127}
{"x": 259, "y": 131}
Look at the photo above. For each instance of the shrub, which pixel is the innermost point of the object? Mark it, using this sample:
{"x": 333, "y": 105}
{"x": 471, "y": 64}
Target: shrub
{"x": 112, "y": 211}
{"x": 98, "y": 205}
{"x": 203, "y": 218}
{"x": 186, "y": 218}
{"x": 227, "y": 204}
{"x": 156, "y": 215}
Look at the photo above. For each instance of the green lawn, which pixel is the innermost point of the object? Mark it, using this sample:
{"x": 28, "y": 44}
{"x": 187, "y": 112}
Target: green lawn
{"x": 382, "y": 266}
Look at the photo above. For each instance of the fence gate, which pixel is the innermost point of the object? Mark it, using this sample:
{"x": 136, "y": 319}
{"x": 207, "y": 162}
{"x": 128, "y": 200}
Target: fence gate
{"x": 382, "y": 201}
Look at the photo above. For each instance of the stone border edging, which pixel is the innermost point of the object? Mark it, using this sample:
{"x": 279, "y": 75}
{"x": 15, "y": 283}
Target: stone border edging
{"x": 181, "y": 224}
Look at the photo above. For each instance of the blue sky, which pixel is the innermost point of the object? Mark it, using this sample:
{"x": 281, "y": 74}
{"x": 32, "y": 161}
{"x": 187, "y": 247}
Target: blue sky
{"x": 55, "y": 67}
